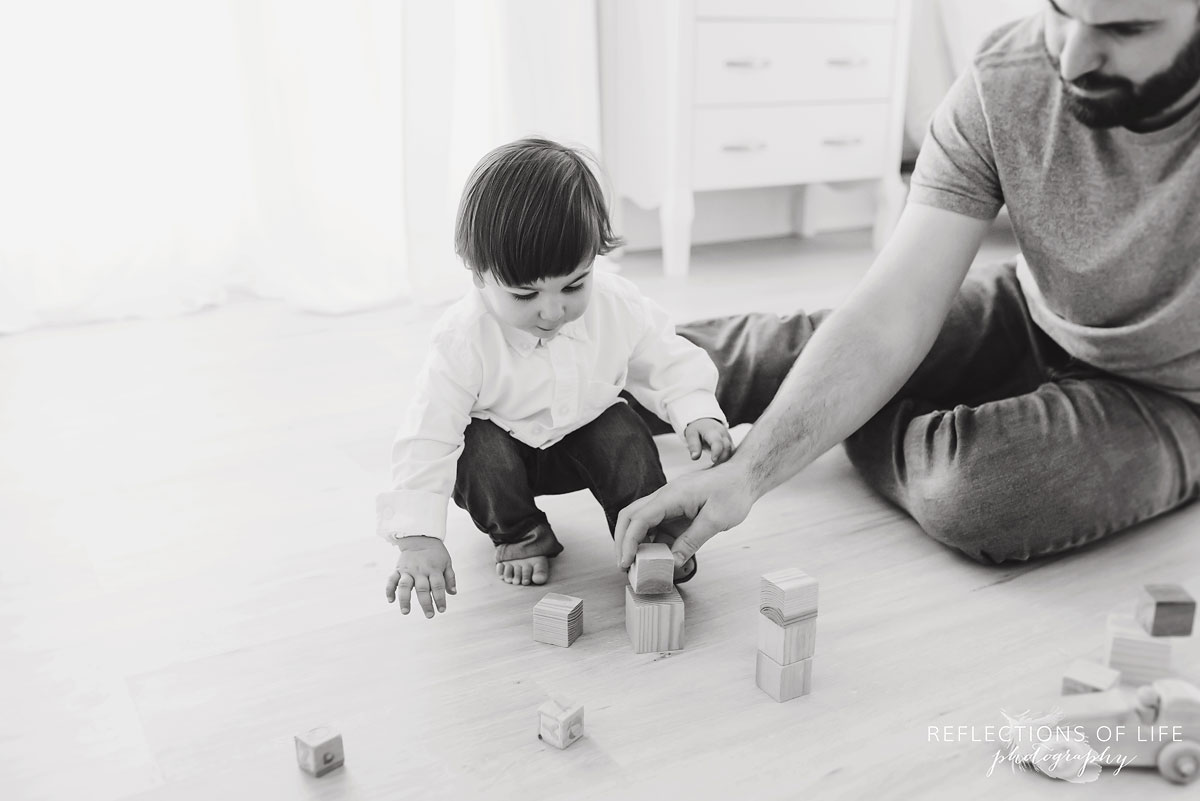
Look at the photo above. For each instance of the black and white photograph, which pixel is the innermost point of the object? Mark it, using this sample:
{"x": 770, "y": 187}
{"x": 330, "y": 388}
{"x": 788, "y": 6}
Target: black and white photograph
{"x": 583, "y": 400}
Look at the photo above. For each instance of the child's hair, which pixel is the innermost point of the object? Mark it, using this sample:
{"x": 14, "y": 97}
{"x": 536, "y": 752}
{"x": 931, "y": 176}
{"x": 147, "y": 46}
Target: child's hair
{"x": 531, "y": 210}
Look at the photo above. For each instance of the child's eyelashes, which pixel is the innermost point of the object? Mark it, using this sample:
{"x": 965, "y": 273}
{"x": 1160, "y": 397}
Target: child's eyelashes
{"x": 523, "y": 297}
{"x": 532, "y": 295}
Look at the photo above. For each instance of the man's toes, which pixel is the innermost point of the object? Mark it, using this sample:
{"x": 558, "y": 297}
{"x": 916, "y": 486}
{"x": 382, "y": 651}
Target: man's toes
{"x": 541, "y": 572}
{"x": 526, "y": 572}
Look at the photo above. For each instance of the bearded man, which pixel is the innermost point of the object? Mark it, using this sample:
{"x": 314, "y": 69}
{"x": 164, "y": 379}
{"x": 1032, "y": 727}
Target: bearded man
{"x": 1035, "y": 406}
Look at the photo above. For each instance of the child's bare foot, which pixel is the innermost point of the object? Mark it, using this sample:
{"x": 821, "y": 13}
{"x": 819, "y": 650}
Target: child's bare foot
{"x": 531, "y": 570}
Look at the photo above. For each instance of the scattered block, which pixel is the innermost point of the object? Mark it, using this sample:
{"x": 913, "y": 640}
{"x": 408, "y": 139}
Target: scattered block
{"x": 560, "y": 722}
{"x": 790, "y": 643}
{"x": 788, "y": 595}
{"x": 783, "y": 682}
{"x": 558, "y": 619}
{"x": 1166, "y": 610}
{"x": 1140, "y": 657}
{"x": 320, "y": 750}
{"x": 1084, "y": 676}
{"x": 653, "y": 569}
{"x": 654, "y": 622}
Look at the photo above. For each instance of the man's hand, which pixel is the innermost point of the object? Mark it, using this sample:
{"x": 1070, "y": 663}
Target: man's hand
{"x": 424, "y": 566}
{"x": 714, "y": 500}
{"x": 711, "y": 434}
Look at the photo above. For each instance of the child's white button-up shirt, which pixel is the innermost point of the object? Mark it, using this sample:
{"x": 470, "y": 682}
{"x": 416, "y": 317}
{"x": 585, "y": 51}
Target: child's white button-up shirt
{"x": 537, "y": 390}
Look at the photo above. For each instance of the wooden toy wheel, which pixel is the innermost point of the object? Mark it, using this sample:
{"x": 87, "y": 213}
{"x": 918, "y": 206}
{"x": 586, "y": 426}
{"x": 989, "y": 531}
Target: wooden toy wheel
{"x": 1180, "y": 762}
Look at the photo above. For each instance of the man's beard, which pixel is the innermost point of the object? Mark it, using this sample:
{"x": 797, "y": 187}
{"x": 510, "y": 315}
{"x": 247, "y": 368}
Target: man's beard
{"x": 1125, "y": 103}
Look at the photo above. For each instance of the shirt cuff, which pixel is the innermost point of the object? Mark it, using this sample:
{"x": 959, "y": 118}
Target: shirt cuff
{"x": 409, "y": 513}
{"x": 692, "y": 407}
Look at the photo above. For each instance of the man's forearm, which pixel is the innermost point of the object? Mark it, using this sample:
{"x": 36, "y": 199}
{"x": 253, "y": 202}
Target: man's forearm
{"x": 865, "y": 351}
{"x": 848, "y": 371}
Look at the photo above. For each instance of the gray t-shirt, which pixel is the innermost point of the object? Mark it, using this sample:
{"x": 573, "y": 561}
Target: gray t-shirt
{"x": 1108, "y": 221}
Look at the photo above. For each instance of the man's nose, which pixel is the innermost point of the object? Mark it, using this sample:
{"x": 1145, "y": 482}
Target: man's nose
{"x": 1081, "y": 52}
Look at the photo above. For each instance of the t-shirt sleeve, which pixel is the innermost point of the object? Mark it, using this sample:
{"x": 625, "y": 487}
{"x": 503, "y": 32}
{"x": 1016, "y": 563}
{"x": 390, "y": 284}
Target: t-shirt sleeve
{"x": 956, "y": 168}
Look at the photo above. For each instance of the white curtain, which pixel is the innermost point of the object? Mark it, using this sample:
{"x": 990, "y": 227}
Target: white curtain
{"x": 157, "y": 155}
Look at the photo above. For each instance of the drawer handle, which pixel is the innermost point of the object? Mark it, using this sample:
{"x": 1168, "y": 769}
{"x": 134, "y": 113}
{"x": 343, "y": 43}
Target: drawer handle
{"x": 744, "y": 147}
{"x": 842, "y": 141}
{"x": 846, "y": 62}
{"x": 747, "y": 63}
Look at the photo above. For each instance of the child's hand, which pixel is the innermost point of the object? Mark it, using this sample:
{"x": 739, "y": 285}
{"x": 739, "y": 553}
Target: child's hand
{"x": 424, "y": 566}
{"x": 711, "y": 434}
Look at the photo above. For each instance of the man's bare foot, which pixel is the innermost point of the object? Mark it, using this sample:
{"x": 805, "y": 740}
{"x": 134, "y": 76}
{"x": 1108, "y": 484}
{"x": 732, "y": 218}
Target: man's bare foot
{"x": 531, "y": 570}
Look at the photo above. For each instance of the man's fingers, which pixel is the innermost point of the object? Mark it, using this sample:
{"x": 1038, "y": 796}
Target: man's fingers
{"x": 405, "y": 589}
{"x": 622, "y": 527}
{"x": 649, "y": 512}
{"x": 437, "y": 587}
{"x": 424, "y": 596}
{"x": 694, "y": 442}
{"x": 699, "y": 532}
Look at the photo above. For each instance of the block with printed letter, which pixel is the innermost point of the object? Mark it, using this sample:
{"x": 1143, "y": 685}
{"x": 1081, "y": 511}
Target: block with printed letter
{"x": 654, "y": 622}
{"x": 653, "y": 569}
{"x": 787, "y": 643}
{"x": 320, "y": 750}
{"x": 788, "y": 595}
{"x": 558, "y": 619}
{"x": 1084, "y": 676}
{"x": 560, "y": 722}
{"x": 1141, "y": 657}
{"x": 783, "y": 682}
{"x": 1166, "y": 610}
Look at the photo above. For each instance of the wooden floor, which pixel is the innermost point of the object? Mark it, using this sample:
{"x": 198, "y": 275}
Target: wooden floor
{"x": 190, "y": 577}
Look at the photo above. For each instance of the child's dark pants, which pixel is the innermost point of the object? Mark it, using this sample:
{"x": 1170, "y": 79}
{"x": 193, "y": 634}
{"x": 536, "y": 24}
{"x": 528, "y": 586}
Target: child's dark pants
{"x": 613, "y": 456}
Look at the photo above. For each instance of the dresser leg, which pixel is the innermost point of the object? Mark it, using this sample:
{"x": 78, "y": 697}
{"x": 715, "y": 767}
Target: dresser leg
{"x": 675, "y": 220}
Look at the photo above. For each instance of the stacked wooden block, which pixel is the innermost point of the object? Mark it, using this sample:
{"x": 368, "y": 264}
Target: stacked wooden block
{"x": 1139, "y": 645}
{"x": 560, "y": 722}
{"x": 558, "y": 619}
{"x": 653, "y": 607}
{"x": 787, "y": 633}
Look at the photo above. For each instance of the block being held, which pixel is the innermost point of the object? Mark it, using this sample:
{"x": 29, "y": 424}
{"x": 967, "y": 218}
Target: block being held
{"x": 653, "y": 569}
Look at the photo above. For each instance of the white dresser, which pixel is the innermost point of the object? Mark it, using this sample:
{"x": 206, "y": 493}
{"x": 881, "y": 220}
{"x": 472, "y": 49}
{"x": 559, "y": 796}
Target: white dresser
{"x": 703, "y": 95}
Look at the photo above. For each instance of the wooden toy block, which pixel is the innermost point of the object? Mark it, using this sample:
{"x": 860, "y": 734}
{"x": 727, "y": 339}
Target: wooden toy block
{"x": 1166, "y": 610}
{"x": 783, "y": 682}
{"x": 560, "y": 722}
{"x": 1085, "y": 676}
{"x": 320, "y": 750}
{"x": 653, "y": 569}
{"x": 788, "y": 595}
{"x": 1140, "y": 657}
{"x": 558, "y": 619}
{"x": 787, "y": 644}
{"x": 654, "y": 622}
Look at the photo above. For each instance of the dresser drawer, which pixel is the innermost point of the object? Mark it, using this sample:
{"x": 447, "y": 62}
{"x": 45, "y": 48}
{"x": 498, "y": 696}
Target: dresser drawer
{"x": 734, "y": 148}
{"x": 795, "y": 9}
{"x": 771, "y": 62}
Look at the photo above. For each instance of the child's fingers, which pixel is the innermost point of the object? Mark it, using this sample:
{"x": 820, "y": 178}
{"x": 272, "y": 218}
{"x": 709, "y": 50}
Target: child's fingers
{"x": 405, "y": 588}
{"x": 390, "y": 587}
{"x": 451, "y": 580}
{"x": 437, "y": 588}
{"x": 692, "y": 437}
{"x": 424, "y": 596}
